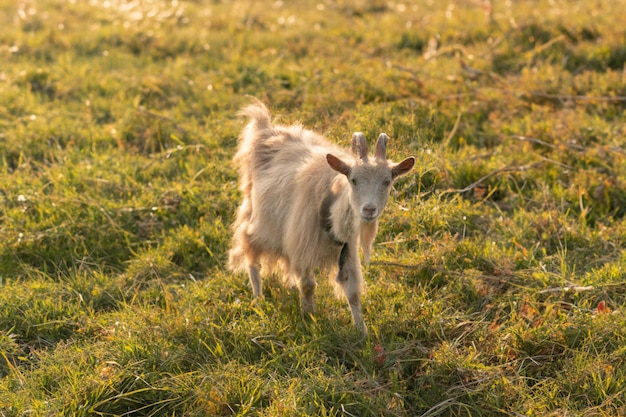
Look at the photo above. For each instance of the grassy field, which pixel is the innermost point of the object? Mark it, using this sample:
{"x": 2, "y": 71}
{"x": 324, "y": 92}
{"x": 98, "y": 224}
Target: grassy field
{"x": 498, "y": 281}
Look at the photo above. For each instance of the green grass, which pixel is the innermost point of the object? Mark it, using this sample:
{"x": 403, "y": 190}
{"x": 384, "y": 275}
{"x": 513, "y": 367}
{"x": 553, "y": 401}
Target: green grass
{"x": 498, "y": 280}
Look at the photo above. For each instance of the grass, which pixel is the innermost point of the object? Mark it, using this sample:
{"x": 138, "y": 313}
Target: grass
{"x": 498, "y": 280}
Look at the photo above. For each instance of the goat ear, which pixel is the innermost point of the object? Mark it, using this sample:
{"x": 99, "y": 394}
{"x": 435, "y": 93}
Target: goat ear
{"x": 338, "y": 165}
{"x": 403, "y": 167}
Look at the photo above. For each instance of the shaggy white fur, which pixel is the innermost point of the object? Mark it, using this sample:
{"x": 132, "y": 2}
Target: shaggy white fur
{"x": 308, "y": 204}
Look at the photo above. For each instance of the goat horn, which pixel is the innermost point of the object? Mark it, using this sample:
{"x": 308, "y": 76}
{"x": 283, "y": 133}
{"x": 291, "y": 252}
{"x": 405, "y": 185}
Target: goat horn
{"x": 381, "y": 146}
{"x": 359, "y": 145}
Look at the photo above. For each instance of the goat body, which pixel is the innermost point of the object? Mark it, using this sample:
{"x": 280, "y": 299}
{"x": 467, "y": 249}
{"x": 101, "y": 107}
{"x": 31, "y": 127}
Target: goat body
{"x": 308, "y": 204}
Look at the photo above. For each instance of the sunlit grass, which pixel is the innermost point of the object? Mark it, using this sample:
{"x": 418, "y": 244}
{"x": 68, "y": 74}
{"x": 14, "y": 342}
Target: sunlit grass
{"x": 497, "y": 282}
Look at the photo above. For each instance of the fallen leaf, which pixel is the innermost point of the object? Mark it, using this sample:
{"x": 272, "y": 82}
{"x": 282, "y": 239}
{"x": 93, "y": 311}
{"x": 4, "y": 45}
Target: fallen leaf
{"x": 381, "y": 356}
{"x": 602, "y": 308}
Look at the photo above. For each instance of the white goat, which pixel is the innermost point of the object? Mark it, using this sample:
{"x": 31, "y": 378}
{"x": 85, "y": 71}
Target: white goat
{"x": 306, "y": 205}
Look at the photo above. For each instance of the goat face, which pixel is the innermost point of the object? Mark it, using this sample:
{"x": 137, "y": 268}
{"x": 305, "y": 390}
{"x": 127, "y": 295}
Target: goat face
{"x": 370, "y": 189}
{"x": 370, "y": 179}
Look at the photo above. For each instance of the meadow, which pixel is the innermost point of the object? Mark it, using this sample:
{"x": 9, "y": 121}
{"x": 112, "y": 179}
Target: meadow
{"x": 498, "y": 279}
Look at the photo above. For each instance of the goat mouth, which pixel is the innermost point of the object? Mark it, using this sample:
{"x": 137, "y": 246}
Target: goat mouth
{"x": 368, "y": 219}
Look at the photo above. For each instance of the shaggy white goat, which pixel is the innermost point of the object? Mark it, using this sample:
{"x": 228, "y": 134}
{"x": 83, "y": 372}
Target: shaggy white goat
{"x": 308, "y": 204}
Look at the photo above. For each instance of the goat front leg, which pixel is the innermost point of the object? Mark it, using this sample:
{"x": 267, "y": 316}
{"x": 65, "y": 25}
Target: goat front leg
{"x": 350, "y": 279}
{"x": 368, "y": 234}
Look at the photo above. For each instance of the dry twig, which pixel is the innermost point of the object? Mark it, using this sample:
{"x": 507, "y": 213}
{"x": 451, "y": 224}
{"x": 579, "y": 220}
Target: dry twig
{"x": 493, "y": 174}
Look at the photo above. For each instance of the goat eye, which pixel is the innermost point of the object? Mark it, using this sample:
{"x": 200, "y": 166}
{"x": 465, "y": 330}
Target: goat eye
{"x": 386, "y": 183}
{"x": 353, "y": 181}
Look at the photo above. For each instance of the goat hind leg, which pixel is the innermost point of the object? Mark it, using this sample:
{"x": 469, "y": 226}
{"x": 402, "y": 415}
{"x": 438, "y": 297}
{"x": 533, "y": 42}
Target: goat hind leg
{"x": 306, "y": 285}
{"x": 256, "y": 281}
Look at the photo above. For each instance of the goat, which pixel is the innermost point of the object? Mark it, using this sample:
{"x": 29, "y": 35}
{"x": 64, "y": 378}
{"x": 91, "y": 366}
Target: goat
{"x": 308, "y": 204}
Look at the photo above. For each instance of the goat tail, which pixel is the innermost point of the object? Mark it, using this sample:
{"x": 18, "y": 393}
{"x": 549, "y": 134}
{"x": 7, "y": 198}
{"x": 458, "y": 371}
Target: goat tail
{"x": 258, "y": 130}
{"x": 258, "y": 114}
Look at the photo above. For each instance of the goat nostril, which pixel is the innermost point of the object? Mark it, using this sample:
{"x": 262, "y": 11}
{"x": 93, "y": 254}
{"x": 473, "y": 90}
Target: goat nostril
{"x": 369, "y": 211}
